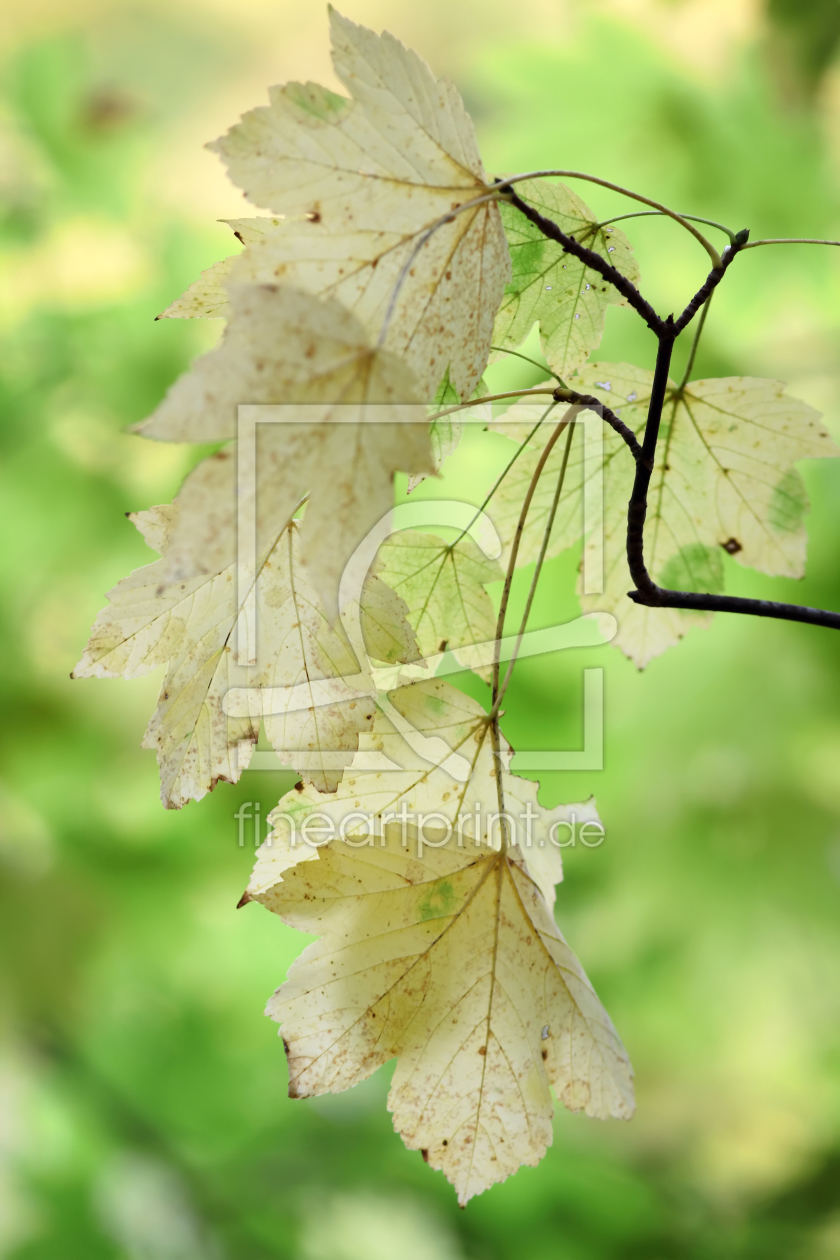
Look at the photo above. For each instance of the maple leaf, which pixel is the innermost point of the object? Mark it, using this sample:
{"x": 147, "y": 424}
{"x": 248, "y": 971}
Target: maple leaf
{"x": 207, "y": 297}
{"x": 189, "y": 627}
{"x": 724, "y": 480}
{"x": 443, "y": 587}
{"x": 567, "y": 298}
{"x": 444, "y": 954}
{"x": 360, "y": 181}
{"x": 357, "y": 421}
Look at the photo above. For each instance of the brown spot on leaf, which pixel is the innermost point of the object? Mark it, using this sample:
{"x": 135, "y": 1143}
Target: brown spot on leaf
{"x": 732, "y": 546}
{"x": 482, "y": 1049}
{"x": 545, "y": 1054}
{"x": 424, "y": 1152}
{"x": 299, "y": 785}
{"x": 442, "y": 645}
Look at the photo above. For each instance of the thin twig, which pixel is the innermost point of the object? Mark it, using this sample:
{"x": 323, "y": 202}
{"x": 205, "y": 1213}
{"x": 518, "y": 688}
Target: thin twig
{"x": 711, "y": 282}
{"x": 625, "y": 192}
{"x": 592, "y": 403}
{"x": 591, "y": 259}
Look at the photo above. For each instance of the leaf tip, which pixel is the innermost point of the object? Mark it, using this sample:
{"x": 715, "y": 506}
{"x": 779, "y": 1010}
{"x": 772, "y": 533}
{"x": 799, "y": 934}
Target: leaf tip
{"x": 244, "y": 899}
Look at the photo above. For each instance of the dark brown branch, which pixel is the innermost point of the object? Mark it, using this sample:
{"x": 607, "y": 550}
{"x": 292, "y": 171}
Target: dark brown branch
{"x": 588, "y": 256}
{"x": 647, "y": 593}
{"x": 561, "y": 394}
{"x": 712, "y": 280}
{"x": 697, "y": 602}
{"x": 637, "y": 507}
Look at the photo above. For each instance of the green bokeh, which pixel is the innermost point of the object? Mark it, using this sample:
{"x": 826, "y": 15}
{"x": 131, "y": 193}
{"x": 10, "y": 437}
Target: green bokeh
{"x": 142, "y": 1093}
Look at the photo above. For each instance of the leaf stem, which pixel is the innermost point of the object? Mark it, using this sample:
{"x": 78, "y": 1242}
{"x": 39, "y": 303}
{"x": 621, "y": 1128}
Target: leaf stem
{"x": 695, "y": 343}
{"x": 643, "y": 214}
{"x": 517, "y": 355}
{"x": 538, "y": 567}
{"x": 501, "y": 477}
{"x": 476, "y": 402}
{"x": 790, "y": 240}
{"x": 514, "y": 547}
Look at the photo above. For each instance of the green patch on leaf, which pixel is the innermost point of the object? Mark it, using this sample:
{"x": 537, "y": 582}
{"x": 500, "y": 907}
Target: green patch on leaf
{"x": 319, "y": 102}
{"x": 438, "y": 901}
{"x": 694, "y": 568}
{"x": 788, "y": 504}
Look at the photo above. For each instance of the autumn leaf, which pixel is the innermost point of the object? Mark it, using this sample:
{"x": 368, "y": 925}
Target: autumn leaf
{"x": 724, "y": 481}
{"x": 359, "y": 181}
{"x": 207, "y": 297}
{"x": 356, "y": 423}
{"x": 567, "y": 298}
{"x": 443, "y": 953}
{"x": 443, "y": 586}
{"x": 189, "y": 628}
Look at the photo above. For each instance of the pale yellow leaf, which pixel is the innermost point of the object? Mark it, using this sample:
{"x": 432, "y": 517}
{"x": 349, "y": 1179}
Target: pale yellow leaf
{"x": 359, "y": 182}
{"x": 190, "y": 627}
{"x": 207, "y": 297}
{"x": 355, "y": 424}
{"x": 444, "y": 588}
{"x": 724, "y": 480}
{"x": 443, "y": 954}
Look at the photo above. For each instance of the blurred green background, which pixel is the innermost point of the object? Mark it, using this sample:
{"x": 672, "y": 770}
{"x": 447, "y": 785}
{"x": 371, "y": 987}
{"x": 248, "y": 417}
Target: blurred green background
{"x": 143, "y": 1113}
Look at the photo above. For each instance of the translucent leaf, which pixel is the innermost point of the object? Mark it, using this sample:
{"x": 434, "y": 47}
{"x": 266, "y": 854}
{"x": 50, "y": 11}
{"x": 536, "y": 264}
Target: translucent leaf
{"x": 443, "y": 587}
{"x": 358, "y": 182}
{"x": 724, "y": 481}
{"x": 567, "y": 298}
{"x": 342, "y": 449}
{"x": 189, "y": 627}
{"x": 207, "y": 297}
{"x": 443, "y": 953}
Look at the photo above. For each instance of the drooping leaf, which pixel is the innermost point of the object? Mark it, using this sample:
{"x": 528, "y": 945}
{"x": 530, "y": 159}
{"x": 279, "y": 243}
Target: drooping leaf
{"x": 567, "y": 298}
{"x": 444, "y": 588}
{"x": 357, "y": 422}
{"x": 440, "y": 952}
{"x": 724, "y": 480}
{"x": 190, "y": 627}
{"x": 359, "y": 181}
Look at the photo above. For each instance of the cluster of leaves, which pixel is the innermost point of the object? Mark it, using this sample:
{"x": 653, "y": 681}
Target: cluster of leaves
{"x": 389, "y": 272}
